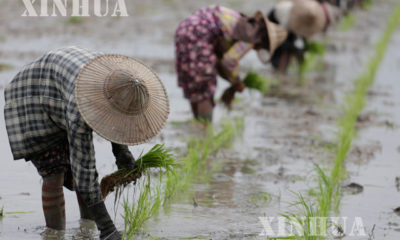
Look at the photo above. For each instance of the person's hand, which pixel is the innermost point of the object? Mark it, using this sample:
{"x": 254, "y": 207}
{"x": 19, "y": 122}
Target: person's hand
{"x": 222, "y": 70}
{"x": 124, "y": 158}
{"x": 228, "y": 96}
{"x": 239, "y": 87}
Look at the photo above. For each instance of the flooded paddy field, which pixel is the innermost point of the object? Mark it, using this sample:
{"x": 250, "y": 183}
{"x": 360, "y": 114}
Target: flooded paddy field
{"x": 284, "y": 134}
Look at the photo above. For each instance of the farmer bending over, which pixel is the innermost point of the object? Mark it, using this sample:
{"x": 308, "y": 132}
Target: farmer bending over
{"x": 303, "y": 19}
{"x": 52, "y": 106}
{"x": 211, "y": 42}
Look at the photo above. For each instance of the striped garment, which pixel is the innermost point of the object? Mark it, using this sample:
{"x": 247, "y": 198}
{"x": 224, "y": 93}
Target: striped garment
{"x": 40, "y": 112}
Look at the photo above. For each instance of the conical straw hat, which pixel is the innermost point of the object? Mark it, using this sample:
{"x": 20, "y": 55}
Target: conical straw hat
{"x": 276, "y": 36}
{"x": 121, "y": 99}
{"x": 307, "y": 18}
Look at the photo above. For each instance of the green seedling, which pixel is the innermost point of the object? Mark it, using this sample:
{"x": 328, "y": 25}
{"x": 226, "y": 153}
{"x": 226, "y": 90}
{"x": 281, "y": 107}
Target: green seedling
{"x": 75, "y": 20}
{"x": 175, "y": 179}
{"x": 314, "y": 50}
{"x": 255, "y": 81}
{"x": 6, "y": 67}
{"x": 329, "y": 192}
{"x": 347, "y": 22}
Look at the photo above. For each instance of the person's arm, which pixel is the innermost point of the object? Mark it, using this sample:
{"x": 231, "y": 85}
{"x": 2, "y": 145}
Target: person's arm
{"x": 124, "y": 158}
{"x": 83, "y": 166}
{"x": 228, "y": 66}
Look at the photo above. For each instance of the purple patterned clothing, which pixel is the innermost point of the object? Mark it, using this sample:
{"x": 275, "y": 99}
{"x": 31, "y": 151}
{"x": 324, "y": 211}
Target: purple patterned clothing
{"x": 202, "y": 41}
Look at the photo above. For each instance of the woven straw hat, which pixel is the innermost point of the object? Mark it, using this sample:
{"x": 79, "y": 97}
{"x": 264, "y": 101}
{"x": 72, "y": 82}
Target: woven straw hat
{"x": 276, "y": 36}
{"x": 307, "y": 18}
{"x": 121, "y": 99}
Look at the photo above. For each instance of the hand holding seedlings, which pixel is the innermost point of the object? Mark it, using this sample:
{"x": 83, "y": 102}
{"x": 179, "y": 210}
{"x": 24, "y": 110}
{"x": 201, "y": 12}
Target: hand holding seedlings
{"x": 157, "y": 157}
{"x": 124, "y": 158}
{"x": 228, "y": 37}
{"x": 256, "y": 81}
{"x": 62, "y": 150}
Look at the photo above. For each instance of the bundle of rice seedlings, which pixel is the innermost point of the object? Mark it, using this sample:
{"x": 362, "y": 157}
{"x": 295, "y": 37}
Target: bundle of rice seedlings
{"x": 157, "y": 157}
{"x": 256, "y": 81}
{"x": 316, "y": 48}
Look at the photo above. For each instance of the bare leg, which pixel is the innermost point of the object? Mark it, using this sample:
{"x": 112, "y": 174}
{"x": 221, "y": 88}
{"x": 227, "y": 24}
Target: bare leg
{"x": 53, "y": 201}
{"x": 203, "y": 110}
{"x": 284, "y": 62}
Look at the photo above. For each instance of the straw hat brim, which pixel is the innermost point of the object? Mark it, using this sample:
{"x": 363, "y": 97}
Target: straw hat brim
{"x": 307, "y": 18}
{"x": 276, "y": 35}
{"x": 106, "y": 120}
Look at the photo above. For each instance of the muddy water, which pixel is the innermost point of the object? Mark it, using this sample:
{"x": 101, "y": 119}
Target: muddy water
{"x": 283, "y": 135}
{"x": 377, "y": 173}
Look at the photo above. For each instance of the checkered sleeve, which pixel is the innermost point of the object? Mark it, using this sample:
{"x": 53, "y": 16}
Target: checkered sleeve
{"x": 82, "y": 157}
{"x": 231, "y": 58}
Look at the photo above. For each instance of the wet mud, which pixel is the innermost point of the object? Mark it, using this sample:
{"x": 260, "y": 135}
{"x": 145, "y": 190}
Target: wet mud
{"x": 285, "y": 132}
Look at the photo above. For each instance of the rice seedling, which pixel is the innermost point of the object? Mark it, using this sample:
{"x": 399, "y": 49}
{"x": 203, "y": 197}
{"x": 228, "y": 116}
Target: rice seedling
{"x": 255, "y": 81}
{"x": 367, "y": 4}
{"x": 174, "y": 179}
{"x": 328, "y": 198}
{"x": 75, "y": 20}
{"x": 347, "y": 22}
{"x": 261, "y": 198}
{"x": 147, "y": 206}
{"x": 355, "y": 102}
{"x": 314, "y": 50}
{"x": 2, "y": 212}
{"x": 308, "y": 225}
{"x": 157, "y": 157}
{"x": 198, "y": 152}
{"x": 6, "y": 67}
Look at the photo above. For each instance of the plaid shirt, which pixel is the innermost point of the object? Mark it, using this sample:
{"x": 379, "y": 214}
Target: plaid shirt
{"x": 41, "y": 111}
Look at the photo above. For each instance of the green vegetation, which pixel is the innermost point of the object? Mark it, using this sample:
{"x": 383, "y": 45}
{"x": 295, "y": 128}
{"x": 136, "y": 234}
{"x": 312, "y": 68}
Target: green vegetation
{"x": 157, "y": 157}
{"x": 6, "y": 67}
{"x": 75, "y": 20}
{"x": 261, "y": 198}
{"x": 20, "y": 212}
{"x": 347, "y": 22}
{"x": 255, "y": 81}
{"x": 147, "y": 206}
{"x": 307, "y": 227}
{"x": 198, "y": 152}
{"x": 314, "y": 50}
{"x": 2, "y": 212}
{"x": 328, "y": 198}
{"x": 175, "y": 179}
{"x": 367, "y": 4}
{"x": 195, "y": 237}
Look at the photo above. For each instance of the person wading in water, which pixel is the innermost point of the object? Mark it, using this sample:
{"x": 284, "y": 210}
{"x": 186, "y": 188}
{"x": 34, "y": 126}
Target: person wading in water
{"x": 211, "y": 42}
{"x": 51, "y": 108}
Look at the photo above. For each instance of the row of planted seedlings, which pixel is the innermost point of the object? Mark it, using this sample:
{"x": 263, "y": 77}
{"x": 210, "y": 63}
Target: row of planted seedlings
{"x": 312, "y": 222}
{"x": 176, "y": 176}
{"x": 161, "y": 176}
